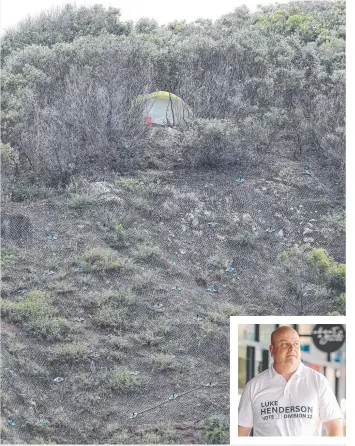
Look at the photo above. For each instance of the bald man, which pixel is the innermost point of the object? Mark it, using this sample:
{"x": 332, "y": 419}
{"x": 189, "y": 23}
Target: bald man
{"x": 288, "y": 399}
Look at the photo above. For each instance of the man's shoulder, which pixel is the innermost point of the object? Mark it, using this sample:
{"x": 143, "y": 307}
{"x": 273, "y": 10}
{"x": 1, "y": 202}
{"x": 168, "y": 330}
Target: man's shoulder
{"x": 311, "y": 373}
{"x": 259, "y": 378}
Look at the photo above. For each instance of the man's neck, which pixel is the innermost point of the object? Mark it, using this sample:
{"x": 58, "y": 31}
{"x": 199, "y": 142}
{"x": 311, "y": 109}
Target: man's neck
{"x": 286, "y": 371}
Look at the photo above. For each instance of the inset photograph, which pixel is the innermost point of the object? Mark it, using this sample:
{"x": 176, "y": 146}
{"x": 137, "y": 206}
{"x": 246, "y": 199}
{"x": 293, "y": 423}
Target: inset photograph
{"x": 288, "y": 377}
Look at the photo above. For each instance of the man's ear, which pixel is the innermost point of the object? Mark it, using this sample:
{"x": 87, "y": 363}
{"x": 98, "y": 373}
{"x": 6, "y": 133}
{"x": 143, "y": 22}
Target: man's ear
{"x": 271, "y": 350}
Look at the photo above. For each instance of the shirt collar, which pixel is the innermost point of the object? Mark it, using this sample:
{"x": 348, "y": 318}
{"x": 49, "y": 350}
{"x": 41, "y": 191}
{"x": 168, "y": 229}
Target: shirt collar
{"x": 273, "y": 372}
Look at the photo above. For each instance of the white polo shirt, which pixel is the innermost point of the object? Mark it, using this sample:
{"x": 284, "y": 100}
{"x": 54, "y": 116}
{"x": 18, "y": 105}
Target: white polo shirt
{"x": 298, "y": 407}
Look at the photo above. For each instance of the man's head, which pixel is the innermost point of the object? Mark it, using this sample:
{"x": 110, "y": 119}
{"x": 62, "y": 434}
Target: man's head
{"x": 285, "y": 347}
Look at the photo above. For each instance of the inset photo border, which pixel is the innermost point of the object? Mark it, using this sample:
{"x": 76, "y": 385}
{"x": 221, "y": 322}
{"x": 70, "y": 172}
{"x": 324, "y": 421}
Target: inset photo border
{"x": 320, "y": 350}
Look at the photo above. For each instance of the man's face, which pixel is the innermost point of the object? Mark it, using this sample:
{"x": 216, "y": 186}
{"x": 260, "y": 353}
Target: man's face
{"x": 286, "y": 347}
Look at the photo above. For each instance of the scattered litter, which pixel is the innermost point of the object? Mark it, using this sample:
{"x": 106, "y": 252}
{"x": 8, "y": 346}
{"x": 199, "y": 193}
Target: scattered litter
{"x": 12, "y": 422}
{"x": 52, "y": 237}
{"x": 58, "y": 379}
{"x": 126, "y": 147}
{"x": 148, "y": 120}
{"x": 13, "y": 372}
{"x": 229, "y": 270}
{"x": 23, "y": 290}
{"x": 135, "y": 373}
{"x": 157, "y": 306}
{"x": 240, "y": 180}
{"x": 94, "y": 355}
{"x": 182, "y": 251}
{"x": 172, "y": 356}
{"x": 43, "y": 421}
{"x": 173, "y": 261}
{"x": 212, "y": 223}
{"x": 208, "y": 384}
{"x": 270, "y": 229}
{"x": 79, "y": 269}
{"x": 79, "y": 319}
{"x": 49, "y": 271}
{"x": 212, "y": 288}
{"x": 198, "y": 318}
{"x": 133, "y": 415}
{"x": 177, "y": 288}
{"x": 173, "y": 396}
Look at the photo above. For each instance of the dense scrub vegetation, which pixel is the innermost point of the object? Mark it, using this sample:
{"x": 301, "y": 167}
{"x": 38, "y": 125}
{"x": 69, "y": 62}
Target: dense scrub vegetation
{"x": 256, "y": 82}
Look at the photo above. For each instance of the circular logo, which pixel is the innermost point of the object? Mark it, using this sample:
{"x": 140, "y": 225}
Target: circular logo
{"x": 328, "y": 338}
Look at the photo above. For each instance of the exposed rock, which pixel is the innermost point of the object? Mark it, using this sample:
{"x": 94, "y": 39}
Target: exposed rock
{"x": 195, "y": 222}
{"x": 307, "y": 231}
{"x": 280, "y": 233}
{"x": 236, "y": 219}
{"x": 105, "y": 191}
{"x": 247, "y": 218}
{"x": 308, "y": 240}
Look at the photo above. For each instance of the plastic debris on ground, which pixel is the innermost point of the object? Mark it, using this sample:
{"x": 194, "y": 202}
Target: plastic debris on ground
{"x": 58, "y": 379}
{"x": 94, "y": 355}
{"x": 52, "y": 237}
{"x": 157, "y": 306}
{"x": 13, "y": 372}
{"x": 173, "y": 261}
{"x": 240, "y": 180}
{"x": 135, "y": 373}
{"x": 229, "y": 270}
{"x": 79, "y": 269}
{"x": 148, "y": 120}
{"x": 173, "y": 396}
{"x": 212, "y": 289}
{"x": 79, "y": 319}
{"x": 270, "y": 229}
{"x": 177, "y": 288}
{"x": 133, "y": 415}
{"x": 12, "y": 422}
{"x": 49, "y": 271}
{"x": 43, "y": 421}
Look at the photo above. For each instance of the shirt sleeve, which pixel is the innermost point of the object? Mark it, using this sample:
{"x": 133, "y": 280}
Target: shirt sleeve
{"x": 245, "y": 409}
{"x": 329, "y": 408}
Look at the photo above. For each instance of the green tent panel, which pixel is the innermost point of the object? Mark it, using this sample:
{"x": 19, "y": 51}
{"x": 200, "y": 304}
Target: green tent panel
{"x": 164, "y": 108}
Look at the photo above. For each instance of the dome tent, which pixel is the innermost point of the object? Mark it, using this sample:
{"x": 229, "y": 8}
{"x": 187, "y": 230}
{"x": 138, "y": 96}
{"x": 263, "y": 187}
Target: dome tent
{"x": 164, "y": 108}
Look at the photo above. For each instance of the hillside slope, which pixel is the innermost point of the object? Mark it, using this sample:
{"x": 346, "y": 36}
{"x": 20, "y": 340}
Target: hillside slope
{"x": 119, "y": 285}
